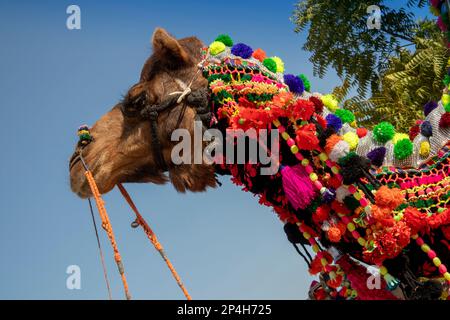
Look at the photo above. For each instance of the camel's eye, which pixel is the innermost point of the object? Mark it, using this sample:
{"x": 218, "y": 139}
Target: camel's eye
{"x": 133, "y": 104}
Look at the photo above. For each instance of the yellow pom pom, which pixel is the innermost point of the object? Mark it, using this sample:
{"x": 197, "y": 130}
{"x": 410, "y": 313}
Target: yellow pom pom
{"x": 280, "y": 64}
{"x": 398, "y": 137}
{"x": 313, "y": 177}
{"x": 352, "y": 139}
{"x": 330, "y": 102}
{"x": 445, "y": 99}
{"x": 448, "y": 63}
{"x": 351, "y": 227}
{"x": 424, "y": 149}
{"x": 216, "y": 47}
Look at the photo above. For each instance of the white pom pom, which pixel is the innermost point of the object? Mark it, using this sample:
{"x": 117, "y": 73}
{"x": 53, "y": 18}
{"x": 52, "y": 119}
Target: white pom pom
{"x": 341, "y": 193}
{"x": 340, "y": 150}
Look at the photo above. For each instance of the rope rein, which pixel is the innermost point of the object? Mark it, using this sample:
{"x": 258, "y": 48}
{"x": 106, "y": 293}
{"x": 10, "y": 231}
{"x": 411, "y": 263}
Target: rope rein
{"x": 153, "y": 239}
{"x": 106, "y": 225}
{"x": 105, "y": 273}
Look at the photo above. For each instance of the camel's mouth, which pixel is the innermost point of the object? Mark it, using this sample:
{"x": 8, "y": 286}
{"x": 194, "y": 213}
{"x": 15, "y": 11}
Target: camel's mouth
{"x": 77, "y": 170}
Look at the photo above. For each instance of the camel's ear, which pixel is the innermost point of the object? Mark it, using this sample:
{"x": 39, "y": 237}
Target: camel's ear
{"x": 168, "y": 49}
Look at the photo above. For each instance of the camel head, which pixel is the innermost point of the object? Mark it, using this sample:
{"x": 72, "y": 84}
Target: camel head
{"x": 121, "y": 149}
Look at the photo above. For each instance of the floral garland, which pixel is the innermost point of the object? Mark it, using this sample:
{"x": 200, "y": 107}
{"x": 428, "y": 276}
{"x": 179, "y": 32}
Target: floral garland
{"x": 331, "y": 193}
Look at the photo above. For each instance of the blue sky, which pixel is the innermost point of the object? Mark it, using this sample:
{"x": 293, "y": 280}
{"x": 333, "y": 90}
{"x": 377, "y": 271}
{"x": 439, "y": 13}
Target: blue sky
{"x": 222, "y": 242}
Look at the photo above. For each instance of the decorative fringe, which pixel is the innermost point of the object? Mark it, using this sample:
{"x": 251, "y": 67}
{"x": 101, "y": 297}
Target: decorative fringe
{"x": 297, "y": 186}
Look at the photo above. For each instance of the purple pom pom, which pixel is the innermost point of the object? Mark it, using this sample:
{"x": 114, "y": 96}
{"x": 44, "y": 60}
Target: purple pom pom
{"x": 429, "y": 106}
{"x": 294, "y": 83}
{"x": 334, "y": 122}
{"x": 329, "y": 195}
{"x": 426, "y": 129}
{"x": 242, "y": 50}
{"x": 376, "y": 156}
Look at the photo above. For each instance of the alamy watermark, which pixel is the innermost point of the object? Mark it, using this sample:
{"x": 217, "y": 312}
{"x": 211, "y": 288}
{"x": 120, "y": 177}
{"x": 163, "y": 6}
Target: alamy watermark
{"x": 374, "y": 19}
{"x": 73, "y": 281}
{"x": 73, "y": 21}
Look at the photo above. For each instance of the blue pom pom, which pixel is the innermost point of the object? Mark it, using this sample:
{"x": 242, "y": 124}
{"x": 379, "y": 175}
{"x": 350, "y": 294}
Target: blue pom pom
{"x": 429, "y": 106}
{"x": 334, "y": 122}
{"x": 426, "y": 129}
{"x": 242, "y": 50}
{"x": 294, "y": 83}
{"x": 376, "y": 156}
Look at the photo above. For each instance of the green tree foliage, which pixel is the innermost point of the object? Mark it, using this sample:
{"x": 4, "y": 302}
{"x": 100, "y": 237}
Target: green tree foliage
{"x": 401, "y": 65}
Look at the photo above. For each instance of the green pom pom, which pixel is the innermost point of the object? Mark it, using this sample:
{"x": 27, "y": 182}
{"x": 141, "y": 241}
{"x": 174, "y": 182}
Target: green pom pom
{"x": 403, "y": 149}
{"x": 383, "y": 132}
{"x": 447, "y": 107}
{"x": 345, "y": 115}
{"x": 446, "y": 80}
{"x": 306, "y": 82}
{"x": 270, "y": 64}
{"x": 225, "y": 39}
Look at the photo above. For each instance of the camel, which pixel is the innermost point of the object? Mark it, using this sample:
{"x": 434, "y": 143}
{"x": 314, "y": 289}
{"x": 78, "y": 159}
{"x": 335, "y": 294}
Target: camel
{"x": 341, "y": 216}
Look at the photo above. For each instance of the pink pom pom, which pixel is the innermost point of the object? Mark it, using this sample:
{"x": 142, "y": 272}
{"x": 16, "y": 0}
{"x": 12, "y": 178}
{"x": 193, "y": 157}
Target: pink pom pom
{"x": 297, "y": 186}
{"x": 442, "y": 269}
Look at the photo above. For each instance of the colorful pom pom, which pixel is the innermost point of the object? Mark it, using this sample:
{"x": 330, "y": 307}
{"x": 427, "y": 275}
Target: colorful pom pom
{"x": 306, "y": 82}
{"x": 445, "y": 120}
{"x": 376, "y": 156}
{"x": 361, "y": 132}
{"x": 225, "y": 39}
{"x": 424, "y": 149}
{"x": 259, "y": 54}
{"x": 414, "y": 132}
{"x": 429, "y": 106}
{"x": 270, "y": 64}
{"x": 352, "y": 139}
{"x": 280, "y": 64}
{"x": 242, "y": 50}
{"x": 383, "y": 132}
{"x": 334, "y": 122}
{"x": 330, "y": 102}
{"x": 216, "y": 47}
{"x": 294, "y": 83}
{"x": 403, "y": 149}
{"x": 318, "y": 104}
{"x": 426, "y": 129}
{"x": 345, "y": 115}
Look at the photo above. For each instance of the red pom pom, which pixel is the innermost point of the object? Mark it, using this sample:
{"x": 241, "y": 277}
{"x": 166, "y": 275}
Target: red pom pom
{"x": 445, "y": 120}
{"x": 318, "y": 104}
{"x": 414, "y": 131}
{"x": 322, "y": 213}
{"x": 361, "y": 132}
{"x": 321, "y": 121}
{"x": 415, "y": 219}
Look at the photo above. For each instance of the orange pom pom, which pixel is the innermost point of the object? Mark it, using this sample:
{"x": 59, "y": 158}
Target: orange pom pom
{"x": 331, "y": 142}
{"x": 259, "y": 54}
{"x": 389, "y": 198}
{"x": 334, "y": 234}
{"x": 380, "y": 213}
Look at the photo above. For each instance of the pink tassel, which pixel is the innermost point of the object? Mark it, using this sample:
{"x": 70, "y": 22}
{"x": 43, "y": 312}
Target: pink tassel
{"x": 297, "y": 186}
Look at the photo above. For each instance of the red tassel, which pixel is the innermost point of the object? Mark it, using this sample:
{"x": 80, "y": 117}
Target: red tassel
{"x": 297, "y": 186}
